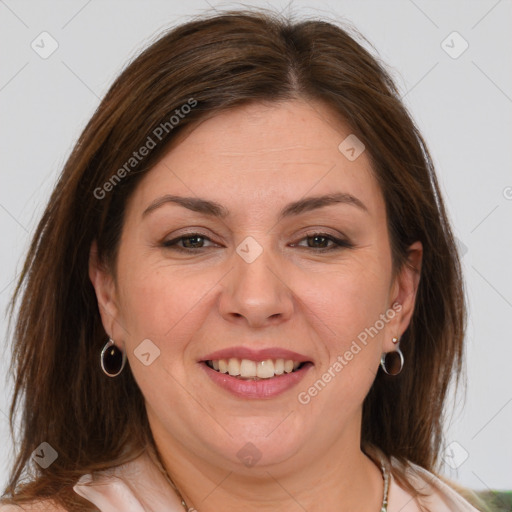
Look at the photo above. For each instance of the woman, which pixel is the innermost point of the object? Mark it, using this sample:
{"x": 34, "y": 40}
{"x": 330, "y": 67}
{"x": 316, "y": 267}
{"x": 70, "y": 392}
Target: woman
{"x": 244, "y": 292}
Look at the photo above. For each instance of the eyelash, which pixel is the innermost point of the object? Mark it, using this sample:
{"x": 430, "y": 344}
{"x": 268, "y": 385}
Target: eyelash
{"x": 338, "y": 243}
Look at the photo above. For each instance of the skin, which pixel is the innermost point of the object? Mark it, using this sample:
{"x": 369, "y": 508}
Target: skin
{"x": 254, "y": 160}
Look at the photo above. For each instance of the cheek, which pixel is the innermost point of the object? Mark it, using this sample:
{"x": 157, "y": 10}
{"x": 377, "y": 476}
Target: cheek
{"x": 349, "y": 299}
{"x": 156, "y": 297}
{"x": 347, "y": 313}
{"x": 162, "y": 300}
{"x": 166, "y": 307}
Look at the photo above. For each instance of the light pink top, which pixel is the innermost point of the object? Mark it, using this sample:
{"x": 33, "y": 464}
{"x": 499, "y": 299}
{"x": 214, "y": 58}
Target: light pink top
{"x": 140, "y": 486}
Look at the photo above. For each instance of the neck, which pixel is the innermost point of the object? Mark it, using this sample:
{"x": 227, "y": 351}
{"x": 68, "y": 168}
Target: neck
{"x": 340, "y": 479}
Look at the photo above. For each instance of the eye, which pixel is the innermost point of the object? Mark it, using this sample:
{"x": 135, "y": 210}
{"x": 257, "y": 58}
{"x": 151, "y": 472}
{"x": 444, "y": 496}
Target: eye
{"x": 191, "y": 242}
{"x": 320, "y": 242}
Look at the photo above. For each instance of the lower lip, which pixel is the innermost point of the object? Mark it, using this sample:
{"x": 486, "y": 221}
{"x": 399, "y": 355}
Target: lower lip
{"x": 264, "y": 388}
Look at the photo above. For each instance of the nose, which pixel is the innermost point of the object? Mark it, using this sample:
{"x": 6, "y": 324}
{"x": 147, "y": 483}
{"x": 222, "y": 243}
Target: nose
{"x": 256, "y": 294}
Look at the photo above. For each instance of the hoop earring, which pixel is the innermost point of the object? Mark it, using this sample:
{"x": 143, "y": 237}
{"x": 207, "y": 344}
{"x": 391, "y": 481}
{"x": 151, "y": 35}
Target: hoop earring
{"x": 393, "y": 362}
{"x": 112, "y": 359}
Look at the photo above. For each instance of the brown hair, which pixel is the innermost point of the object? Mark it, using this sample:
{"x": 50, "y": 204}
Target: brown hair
{"x": 216, "y": 63}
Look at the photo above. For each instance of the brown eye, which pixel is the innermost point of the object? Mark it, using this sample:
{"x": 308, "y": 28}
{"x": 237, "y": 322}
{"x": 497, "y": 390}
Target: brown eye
{"x": 320, "y": 242}
{"x": 318, "y": 239}
{"x": 190, "y": 242}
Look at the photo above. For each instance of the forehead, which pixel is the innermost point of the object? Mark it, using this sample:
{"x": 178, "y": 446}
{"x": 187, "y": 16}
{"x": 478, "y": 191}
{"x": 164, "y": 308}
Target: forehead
{"x": 265, "y": 153}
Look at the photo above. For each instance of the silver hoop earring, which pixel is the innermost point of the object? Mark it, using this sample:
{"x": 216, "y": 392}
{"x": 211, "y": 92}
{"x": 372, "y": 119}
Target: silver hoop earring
{"x": 112, "y": 359}
{"x": 393, "y": 362}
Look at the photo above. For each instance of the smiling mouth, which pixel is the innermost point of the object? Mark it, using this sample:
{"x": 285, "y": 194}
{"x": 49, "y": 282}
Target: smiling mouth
{"x": 246, "y": 369}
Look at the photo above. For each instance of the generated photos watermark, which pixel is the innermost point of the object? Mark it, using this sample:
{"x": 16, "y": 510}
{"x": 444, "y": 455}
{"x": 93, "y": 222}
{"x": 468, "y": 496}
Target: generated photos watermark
{"x": 152, "y": 141}
{"x": 304, "y": 397}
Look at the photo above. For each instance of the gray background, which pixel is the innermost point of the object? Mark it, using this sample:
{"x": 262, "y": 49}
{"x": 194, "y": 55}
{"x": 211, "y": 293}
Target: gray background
{"x": 462, "y": 105}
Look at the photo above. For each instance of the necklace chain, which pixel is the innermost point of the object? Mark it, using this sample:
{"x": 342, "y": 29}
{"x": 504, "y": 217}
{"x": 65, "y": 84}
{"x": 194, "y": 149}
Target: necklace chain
{"x": 384, "y": 506}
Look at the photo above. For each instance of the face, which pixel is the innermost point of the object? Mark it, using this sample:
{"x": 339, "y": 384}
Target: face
{"x": 251, "y": 263}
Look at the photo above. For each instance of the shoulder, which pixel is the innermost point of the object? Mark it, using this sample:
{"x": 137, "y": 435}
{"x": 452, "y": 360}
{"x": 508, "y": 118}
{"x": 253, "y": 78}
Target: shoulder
{"x": 437, "y": 494}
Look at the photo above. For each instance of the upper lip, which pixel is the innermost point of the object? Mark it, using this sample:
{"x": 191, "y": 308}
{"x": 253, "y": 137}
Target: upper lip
{"x": 241, "y": 352}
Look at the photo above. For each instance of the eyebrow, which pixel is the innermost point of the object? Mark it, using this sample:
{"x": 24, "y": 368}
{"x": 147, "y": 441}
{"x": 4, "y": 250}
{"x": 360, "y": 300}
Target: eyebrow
{"x": 213, "y": 209}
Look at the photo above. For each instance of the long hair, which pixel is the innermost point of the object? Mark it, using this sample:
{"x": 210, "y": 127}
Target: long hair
{"x": 214, "y": 63}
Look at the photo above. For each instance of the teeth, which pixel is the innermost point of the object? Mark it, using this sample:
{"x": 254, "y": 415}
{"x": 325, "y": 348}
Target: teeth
{"x": 265, "y": 369}
{"x": 234, "y": 367}
{"x": 279, "y": 367}
{"x": 247, "y": 369}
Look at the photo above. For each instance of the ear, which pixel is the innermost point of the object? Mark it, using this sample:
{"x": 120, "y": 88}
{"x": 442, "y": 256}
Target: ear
{"x": 104, "y": 286}
{"x": 403, "y": 293}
